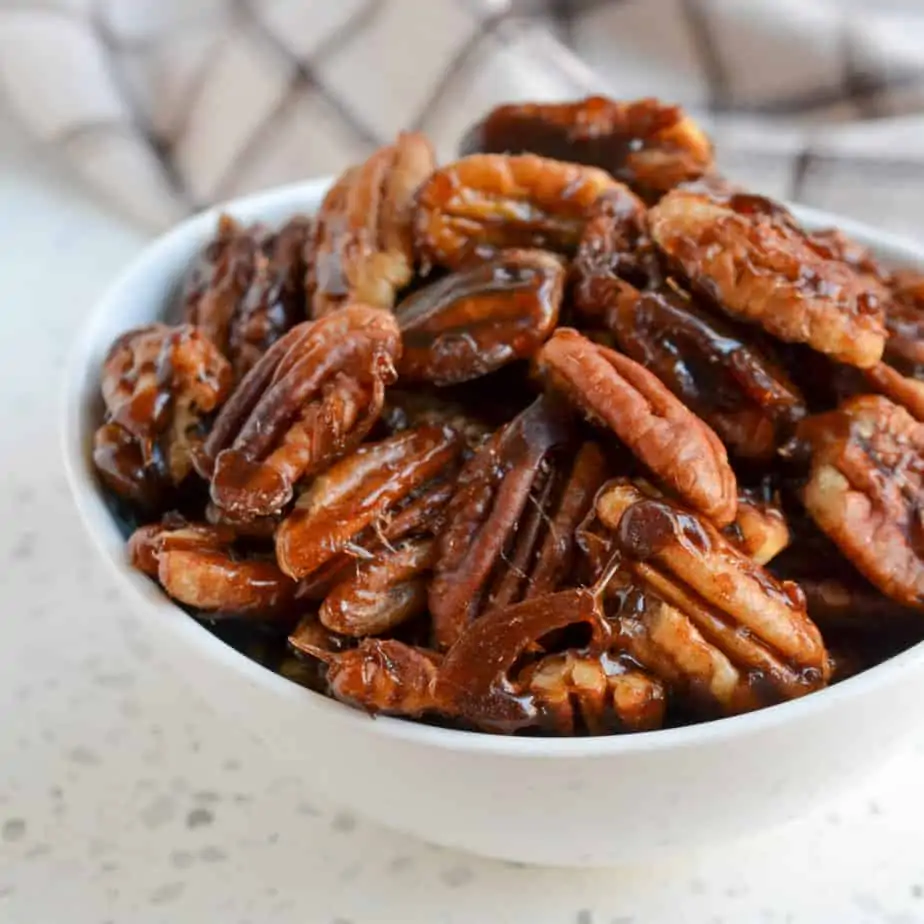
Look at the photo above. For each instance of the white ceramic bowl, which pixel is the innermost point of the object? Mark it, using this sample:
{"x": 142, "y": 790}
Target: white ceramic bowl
{"x": 577, "y": 802}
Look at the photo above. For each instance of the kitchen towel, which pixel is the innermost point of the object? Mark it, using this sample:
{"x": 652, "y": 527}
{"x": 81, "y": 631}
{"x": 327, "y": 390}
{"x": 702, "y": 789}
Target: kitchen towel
{"x": 166, "y": 106}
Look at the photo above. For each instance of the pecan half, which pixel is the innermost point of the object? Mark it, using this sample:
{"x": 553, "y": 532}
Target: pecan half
{"x": 380, "y": 675}
{"x": 748, "y": 254}
{"x": 509, "y": 526}
{"x": 469, "y": 210}
{"x": 247, "y": 288}
{"x": 650, "y": 145}
{"x": 865, "y": 490}
{"x": 617, "y": 393}
{"x": 382, "y": 593}
{"x": 312, "y": 397}
{"x": 615, "y": 245}
{"x": 362, "y": 248}
{"x": 158, "y": 384}
{"x": 693, "y": 599}
{"x": 476, "y": 320}
{"x": 359, "y": 492}
{"x": 196, "y": 564}
{"x": 745, "y": 397}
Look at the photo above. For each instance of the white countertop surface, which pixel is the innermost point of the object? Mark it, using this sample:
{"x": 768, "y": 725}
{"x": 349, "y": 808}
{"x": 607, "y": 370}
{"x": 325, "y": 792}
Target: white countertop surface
{"x": 124, "y": 799}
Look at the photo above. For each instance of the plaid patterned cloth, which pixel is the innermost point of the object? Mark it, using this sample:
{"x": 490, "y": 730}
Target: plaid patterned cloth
{"x": 168, "y": 105}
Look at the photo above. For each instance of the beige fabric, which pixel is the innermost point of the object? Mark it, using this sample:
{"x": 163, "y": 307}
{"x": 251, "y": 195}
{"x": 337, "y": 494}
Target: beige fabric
{"x": 168, "y": 105}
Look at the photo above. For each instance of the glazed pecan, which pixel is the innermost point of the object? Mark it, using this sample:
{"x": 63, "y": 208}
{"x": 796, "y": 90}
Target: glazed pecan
{"x": 748, "y": 254}
{"x": 247, "y": 289}
{"x": 645, "y": 143}
{"x": 617, "y": 393}
{"x": 760, "y": 529}
{"x": 615, "y": 246}
{"x": 509, "y": 526}
{"x": 474, "y": 680}
{"x": 158, "y": 384}
{"x": 383, "y": 592}
{"x": 381, "y": 676}
{"x": 905, "y": 321}
{"x": 362, "y": 491}
{"x": 469, "y": 210}
{"x": 833, "y": 244}
{"x": 728, "y": 630}
{"x": 865, "y": 490}
{"x": 476, "y": 320}
{"x": 407, "y": 409}
{"x": 578, "y": 693}
{"x": 745, "y": 397}
{"x": 362, "y": 249}
{"x": 196, "y": 564}
{"x": 312, "y": 397}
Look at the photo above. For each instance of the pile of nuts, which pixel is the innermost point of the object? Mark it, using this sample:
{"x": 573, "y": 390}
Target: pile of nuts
{"x": 571, "y": 436}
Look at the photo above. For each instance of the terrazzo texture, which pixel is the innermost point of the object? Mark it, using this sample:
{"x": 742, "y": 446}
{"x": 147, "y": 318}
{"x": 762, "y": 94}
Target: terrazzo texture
{"x": 123, "y": 799}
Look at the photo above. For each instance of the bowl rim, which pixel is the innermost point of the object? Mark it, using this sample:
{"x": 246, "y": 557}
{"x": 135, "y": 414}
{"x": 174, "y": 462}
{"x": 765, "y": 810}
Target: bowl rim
{"x": 80, "y": 385}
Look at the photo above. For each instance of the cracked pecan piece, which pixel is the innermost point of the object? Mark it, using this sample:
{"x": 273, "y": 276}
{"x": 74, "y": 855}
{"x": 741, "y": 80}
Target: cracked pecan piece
{"x": 865, "y": 490}
{"x": 197, "y": 564}
{"x": 158, "y": 385}
{"x": 701, "y": 614}
{"x": 509, "y": 527}
{"x": 618, "y": 394}
{"x": 744, "y": 396}
{"x": 645, "y": 143}
{"x": 475, "y": 680}
{"x": 614, "y": 246}
{"x": 478, "y": 319}
{"x": 362, "y": 491}
{"x": 469, "y": 210}
{"x": 311, "y": 398}
{"x": 760, "y": 529}
{"x": 247, "y": 288}
{"x": 382, "y": 593}
{"x": 749, "y": 256}
{"x": 905, "y": 321}
{"x": 362, "y": 248}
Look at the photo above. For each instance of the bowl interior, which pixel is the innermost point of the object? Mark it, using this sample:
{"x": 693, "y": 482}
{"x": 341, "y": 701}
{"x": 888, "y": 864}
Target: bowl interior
{"x": 143, "y": 293}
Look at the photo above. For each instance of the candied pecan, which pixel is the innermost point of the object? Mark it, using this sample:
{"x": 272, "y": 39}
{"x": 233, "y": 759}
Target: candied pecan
{"x": 383, "y": 592}
{"x": 247, "y": 289}
{"x": 728, "y": 626}
{"x": 615, "y": 245}
{"x": 905, "y": 321}
{"x": 903, "y": 390}
{"x": 312, "y": 397}
{"x": 597, "y": 694}
{"x": 833, "y": 244}
{"x": 476, "y": 206}
{"x": 759, "y": 530}
{"x": 158, "y": 383}
{"x": 865, "y": 488}
{"x": 474, "y": 680}
{"x": 748, "y": 254}
{"x": 196, "y": 564}
{"x": 362, "y": 248}
{"x": 745, "y": 397}
{"x": 509, "y": 527}
{"x": 380, "y": 675}
{"x": 359, "y": 492}
{"x": 617, "y": 393}
{"x": 473, "y": 321}
{"x": 646, "y": 143}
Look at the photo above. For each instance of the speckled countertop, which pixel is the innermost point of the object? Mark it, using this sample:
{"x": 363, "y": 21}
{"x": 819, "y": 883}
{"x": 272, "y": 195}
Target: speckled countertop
{"x": 123, "y": 799}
